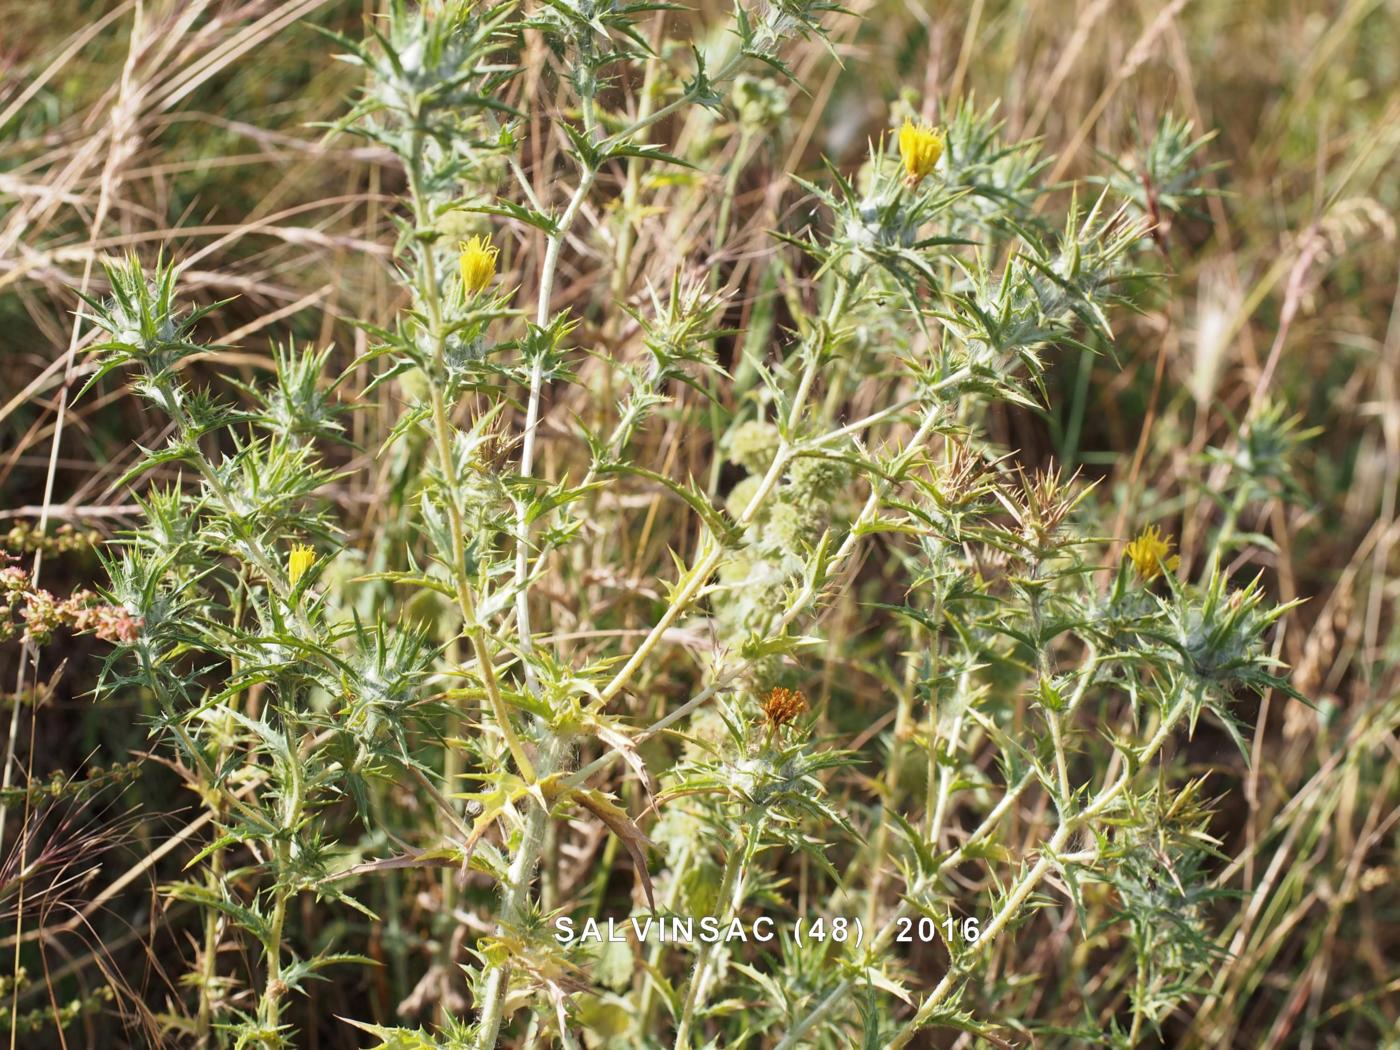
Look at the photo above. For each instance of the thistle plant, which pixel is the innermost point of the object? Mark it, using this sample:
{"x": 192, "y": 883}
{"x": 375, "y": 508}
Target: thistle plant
{"x": 742, "y": 604}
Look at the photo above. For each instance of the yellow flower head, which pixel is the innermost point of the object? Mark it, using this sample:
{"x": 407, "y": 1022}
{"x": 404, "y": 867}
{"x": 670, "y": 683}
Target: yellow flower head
{"x": 299, "y": 561}
{"x": 478, "y": 263}
{"x": 920, "y": 146}
{"x": 1151, "y": 554}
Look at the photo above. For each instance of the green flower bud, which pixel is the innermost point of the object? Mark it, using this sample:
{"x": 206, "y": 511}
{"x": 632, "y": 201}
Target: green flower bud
{"x": 761, "y": 101}
{"x": 753, "y": 445}
{"x": 810, "y": 479}
{"x": 790, "y": 527}
{"x": 740, "y": 495}
{"x": 414, "y": 384}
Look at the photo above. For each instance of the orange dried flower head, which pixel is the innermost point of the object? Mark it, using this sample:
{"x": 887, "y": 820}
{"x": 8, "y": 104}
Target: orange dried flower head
{"x": 782, "y": 706}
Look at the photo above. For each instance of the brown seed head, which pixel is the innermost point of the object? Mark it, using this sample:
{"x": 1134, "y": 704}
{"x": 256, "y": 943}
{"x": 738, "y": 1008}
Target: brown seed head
{"x": 782, "y": 706}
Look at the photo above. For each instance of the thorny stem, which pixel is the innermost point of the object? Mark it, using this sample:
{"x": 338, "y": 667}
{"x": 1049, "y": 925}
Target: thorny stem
{"x": 523, "y": 866}
{"x": 721, "y": 233}
{"x": 1050, "y": 855}
{"x": 798, "y": 605}
{"x": 209, "y": 963}
{"x": 475, "y": 631}
{"x": 695, "y": 580}
{"x": 931, "y": 804}
{"x": 442, "y": 440}
{"x": 518, "y": 880}
{"x": 1055, "y": 719}
{"x": 1061, "y": 762}
{"x": 1139, "y": 991}
{"x": 647, "y": 1000}
{"x": 883, "y": 940}
{"x": 804, "y": 597}
{"x": 732, "y": 866}
{"x": 698, "y": 576}
{"x": 527, "y": 858}
{"x": 627, "y": 234}
{"x": 532, "y": 417}
{"x": 938, "y": 812}
{"x": 647, "y": 120}
{"x": 731, "y": 187}
{"x": 1227, "y": 528}
{"x": 269, "y": 1008}
{"x": 903, "y": 715}
{"x": 451, "y": 770}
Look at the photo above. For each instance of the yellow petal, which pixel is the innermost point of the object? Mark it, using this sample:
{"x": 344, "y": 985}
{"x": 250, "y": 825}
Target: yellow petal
{"x": 477, "y": 263}
{"x": 299, "y": 561}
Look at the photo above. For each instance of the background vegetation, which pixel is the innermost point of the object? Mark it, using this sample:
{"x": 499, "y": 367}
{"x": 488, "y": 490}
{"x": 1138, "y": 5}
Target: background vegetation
{"x": 199, "y": 130}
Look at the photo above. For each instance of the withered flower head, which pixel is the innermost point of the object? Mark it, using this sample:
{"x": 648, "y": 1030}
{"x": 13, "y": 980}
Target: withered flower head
{"x": 782, "y": 706}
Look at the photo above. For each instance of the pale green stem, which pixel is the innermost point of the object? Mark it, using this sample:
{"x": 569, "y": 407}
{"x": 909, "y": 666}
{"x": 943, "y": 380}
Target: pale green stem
{"x": 1049, "y": 857}
{"x": 269, "y": 1008}
{"x": 526, "y": 860}
{"x": 518, "y": 879}
{"x": 726, "y": 205}
{"x": 799, "y": 604}
{"x": 731, "y": 188}
{"x": 627, "y": 234}
{"x": 698, "y": 576}
{"x": 694, "y": 996}
{"x": 1227, "y": 530}
{"x": 451, "y": 770}
{"x": 647, "y": 1000}
{"x": 903, "y": 716}
{"x": 885, "y": 938}
{"x": 532, "y": 418}
{"x": 646, "y": 121}
{"x": 442, "y": 440}
{"x": 1061, "y": 761}
{"x": 209, "y": 964}
{"x": 939, "y": 811}
{"x": 1139, "y": 991}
